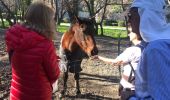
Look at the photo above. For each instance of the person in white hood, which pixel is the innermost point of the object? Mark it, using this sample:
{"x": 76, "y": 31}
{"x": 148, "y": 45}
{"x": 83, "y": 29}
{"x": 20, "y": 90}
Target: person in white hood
{"x": 152, "y": 76}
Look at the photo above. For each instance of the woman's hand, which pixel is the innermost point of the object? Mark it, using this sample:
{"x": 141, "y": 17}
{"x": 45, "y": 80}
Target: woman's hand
{"x": 117, "y": 62}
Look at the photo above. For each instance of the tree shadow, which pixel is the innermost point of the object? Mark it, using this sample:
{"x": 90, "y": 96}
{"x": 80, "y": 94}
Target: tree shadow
{"x": 89, "y": 96}
{"x": 113, "y": 79}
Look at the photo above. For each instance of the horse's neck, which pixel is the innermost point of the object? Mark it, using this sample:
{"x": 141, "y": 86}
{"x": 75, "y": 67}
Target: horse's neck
{"x": 67, "y": 41}
{"x": 70, "y": 47}
{"x": 78, "y": 54}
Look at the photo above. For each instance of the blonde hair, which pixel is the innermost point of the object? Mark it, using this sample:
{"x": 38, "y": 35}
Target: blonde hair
{"x": 40, "y": 18}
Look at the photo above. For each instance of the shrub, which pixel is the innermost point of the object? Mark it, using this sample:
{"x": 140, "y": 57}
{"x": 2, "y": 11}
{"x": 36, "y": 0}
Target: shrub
{"x": 110, "y": 22}
{"x": 121, "y": 23}
{"x": 104, "y": 22}
{"x": 66, "y": 20}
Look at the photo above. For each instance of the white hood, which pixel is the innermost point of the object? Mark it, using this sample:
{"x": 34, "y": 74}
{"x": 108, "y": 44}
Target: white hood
{"x": 149, "y": 4}
{"x": 153, "y": 25}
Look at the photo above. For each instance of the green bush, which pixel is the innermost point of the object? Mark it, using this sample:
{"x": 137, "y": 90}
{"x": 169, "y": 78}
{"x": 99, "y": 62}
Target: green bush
{"x": 66, "y": 20}
{"x": 104, "y": 22}
{"x": 114, "y": 33}
{"x": 121, "y": 23}
{"x": 110, "y": 22}
{"x": 6, "y": 23}
{"x": 115, "y": 24}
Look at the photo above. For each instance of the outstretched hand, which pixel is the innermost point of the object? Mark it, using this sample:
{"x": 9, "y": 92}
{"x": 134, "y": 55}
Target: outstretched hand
{"x": 117, "y": 62}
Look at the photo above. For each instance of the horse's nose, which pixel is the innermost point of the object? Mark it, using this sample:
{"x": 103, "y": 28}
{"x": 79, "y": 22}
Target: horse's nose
{"x": 94, "y": 51}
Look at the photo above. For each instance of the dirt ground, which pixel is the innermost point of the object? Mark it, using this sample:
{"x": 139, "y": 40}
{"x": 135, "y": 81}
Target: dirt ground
{"x": 98, "y": 80}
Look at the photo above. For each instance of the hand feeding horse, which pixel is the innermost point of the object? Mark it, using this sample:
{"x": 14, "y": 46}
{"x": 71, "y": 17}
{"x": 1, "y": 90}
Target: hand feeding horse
{"x": 76, "y": 44}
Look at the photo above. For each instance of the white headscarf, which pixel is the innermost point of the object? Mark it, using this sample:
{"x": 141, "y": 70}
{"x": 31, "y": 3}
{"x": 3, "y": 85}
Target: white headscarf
{"x": 153, "y": 25}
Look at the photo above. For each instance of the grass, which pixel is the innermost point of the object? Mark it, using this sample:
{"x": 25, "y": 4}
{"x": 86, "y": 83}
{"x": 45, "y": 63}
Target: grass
{"x": 114, "y": 32}
{"x": 111, "y": 31}
{"x": 62, "y": 28}
{"x": 6, "y": 24}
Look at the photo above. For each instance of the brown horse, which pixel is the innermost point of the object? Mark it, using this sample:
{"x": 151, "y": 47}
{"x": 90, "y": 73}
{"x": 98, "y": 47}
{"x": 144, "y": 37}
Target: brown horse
{"x": 76, "y": 44}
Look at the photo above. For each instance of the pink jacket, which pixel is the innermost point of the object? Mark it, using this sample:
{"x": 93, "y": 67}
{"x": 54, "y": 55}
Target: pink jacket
{"x": 34, "y": 64}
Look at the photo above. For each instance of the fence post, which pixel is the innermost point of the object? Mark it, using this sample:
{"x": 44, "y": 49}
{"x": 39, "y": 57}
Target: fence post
{"x": 118, "y": 47}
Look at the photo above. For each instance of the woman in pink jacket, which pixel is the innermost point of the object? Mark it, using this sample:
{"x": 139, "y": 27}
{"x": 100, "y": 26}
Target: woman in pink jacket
{"x": 33, "y": 56}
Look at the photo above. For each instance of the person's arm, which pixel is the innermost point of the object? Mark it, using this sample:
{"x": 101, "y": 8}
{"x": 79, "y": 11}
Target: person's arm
{"x": 111, "y": 61}
{"x": 107, "y": 60}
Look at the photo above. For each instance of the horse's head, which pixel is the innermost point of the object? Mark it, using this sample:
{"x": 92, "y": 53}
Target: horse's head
{"x": 81, "y": 33}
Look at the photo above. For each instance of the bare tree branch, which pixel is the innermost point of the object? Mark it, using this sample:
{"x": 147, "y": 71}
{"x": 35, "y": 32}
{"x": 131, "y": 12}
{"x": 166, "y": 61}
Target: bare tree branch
{"x": 10, "y": 13}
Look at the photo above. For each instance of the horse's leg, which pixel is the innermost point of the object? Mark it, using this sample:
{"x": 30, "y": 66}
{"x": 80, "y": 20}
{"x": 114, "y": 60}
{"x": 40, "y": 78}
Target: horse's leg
{"x": 77, "y": 77}
{"x": 65, "y": 77}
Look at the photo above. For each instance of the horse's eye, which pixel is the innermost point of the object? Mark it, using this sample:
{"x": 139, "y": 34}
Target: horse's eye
{"x": 83, "y": 27}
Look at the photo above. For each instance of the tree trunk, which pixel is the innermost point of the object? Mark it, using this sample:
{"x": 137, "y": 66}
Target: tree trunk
{"x": 57, "y": 11}
{"x": 72, "y": 9}
{"x": 101, "y": 28}
{"x": 95, "y": 26}
{"x": 104, "y": 11}
{"x": 1, "y": 17}
{"x": 91, "y": 11}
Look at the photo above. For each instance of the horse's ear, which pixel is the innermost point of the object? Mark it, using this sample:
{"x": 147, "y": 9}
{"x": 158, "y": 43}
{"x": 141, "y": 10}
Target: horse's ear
{"x": 76, "y": 19}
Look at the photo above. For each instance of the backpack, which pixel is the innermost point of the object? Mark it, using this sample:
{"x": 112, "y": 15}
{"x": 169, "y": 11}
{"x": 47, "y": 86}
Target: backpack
{"x": 142, "y": 45}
